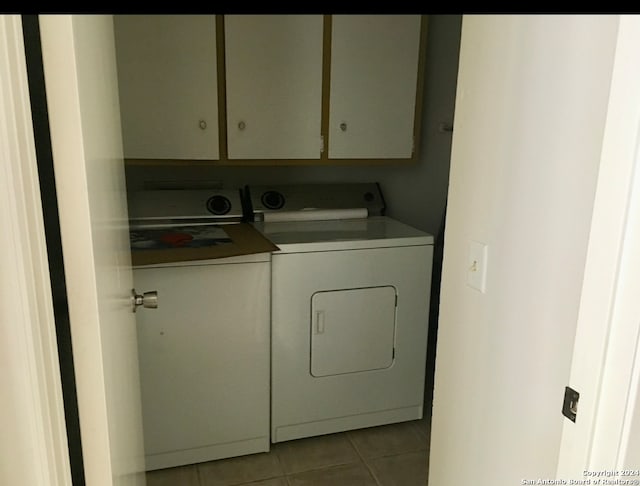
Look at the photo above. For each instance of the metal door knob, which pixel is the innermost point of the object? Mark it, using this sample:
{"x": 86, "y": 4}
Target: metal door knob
{"x": 242, "y": 125}
{"x": 148, "y": 300}
{"x": 203, "y": 125}
{"x": 343, "y": 126}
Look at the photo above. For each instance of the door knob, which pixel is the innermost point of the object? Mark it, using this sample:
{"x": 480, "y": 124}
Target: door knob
{"x": 148, "y": 300}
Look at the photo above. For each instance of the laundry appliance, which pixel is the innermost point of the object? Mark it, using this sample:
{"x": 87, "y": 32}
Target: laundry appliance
{"x": 204, "y": 352}
{"x": 350, "y": 292}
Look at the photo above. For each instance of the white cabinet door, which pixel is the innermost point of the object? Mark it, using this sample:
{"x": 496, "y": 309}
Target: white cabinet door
{"x": 168, "y": 86}
{"x": 374, "y": 72}
{"x": 274, "y": 86}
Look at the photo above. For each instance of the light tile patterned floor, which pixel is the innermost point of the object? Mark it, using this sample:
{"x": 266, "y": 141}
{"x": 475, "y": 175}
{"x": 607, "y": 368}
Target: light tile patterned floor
{"x": 390, "y": 455}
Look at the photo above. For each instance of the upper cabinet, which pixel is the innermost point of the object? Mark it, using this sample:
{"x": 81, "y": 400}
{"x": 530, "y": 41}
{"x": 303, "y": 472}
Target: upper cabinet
{"x": 167, "y": 76}
{"x": 374, "y": 74}
{"x": 273, "y": 68}
{"x": 270, "y": 89}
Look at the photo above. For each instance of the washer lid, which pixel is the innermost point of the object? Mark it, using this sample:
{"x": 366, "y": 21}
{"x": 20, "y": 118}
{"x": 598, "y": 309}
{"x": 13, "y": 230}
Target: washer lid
{"x": 373, "y": 232}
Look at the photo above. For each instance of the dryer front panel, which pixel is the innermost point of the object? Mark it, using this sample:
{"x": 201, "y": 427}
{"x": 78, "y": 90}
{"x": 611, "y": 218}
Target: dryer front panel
{"x": 348, "y": 339}
{"x": 352, "y": 330}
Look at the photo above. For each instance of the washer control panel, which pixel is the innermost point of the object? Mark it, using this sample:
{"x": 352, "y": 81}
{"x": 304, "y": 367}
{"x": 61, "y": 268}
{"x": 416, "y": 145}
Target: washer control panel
{"x": 173, "y": 206}
{"x": 219, "y": 205}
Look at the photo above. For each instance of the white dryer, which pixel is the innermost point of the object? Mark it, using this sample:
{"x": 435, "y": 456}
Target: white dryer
{"x": 350, "y": 305}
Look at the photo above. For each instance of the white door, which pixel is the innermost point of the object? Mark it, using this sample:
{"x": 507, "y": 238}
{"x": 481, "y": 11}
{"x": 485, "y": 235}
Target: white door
{"x": 82, "y": 95}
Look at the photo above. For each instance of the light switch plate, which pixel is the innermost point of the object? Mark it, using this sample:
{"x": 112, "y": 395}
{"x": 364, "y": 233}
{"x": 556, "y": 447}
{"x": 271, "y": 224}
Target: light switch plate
{"x": 477, "y": 266}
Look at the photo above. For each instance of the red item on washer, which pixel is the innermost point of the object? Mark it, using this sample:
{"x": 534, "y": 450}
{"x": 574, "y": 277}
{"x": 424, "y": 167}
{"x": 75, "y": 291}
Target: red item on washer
{"x": 176, "y": 239}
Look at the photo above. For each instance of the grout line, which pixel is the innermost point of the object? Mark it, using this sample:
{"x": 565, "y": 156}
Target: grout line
{"x": 353, "y": 444}
{"x": 284, "y": 476}
{"x": 416, "y": 430}
{"x": 361, "y": 460}
{"x": 272, "y": 450}
{"x": 419, "y": 429}
{"x": 364, "y": 461}
{"x": 199, "y": 474}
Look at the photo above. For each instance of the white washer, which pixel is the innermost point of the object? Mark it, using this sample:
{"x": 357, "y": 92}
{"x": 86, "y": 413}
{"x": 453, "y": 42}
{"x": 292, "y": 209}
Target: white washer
{"x": 204, "y": 353}
{"x": 204, "y": 360}
{"x": 350, "y": 307}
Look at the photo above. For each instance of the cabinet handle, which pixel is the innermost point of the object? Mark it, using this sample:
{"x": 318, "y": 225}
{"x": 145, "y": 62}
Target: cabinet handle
{"x": 242, "y": 125}
{"x": 203, "y": 125}
{"x": 343, "y": 126}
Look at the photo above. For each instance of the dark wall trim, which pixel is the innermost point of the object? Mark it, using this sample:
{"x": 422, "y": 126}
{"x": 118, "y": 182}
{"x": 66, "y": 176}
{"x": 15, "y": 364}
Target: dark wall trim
{"x": 35, "y": 74}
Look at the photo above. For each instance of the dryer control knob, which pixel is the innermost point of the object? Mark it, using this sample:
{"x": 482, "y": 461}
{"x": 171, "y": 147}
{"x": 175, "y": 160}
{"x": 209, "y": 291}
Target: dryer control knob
{"x": 272, "y": 200}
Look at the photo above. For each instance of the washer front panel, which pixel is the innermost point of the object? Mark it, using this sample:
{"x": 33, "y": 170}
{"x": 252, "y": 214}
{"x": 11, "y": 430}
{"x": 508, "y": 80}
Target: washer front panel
{"x": 204, "y": 362}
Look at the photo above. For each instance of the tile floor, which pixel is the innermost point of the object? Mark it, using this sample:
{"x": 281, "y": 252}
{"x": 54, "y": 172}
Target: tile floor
{"x": 389, "y": 455}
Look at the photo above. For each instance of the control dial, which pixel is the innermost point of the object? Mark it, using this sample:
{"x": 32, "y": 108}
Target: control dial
{"x": 218, "y": 205}
{"x": 272, "y": 200}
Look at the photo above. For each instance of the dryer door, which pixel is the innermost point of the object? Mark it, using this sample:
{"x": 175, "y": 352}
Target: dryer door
{"x": 352, "y": 330}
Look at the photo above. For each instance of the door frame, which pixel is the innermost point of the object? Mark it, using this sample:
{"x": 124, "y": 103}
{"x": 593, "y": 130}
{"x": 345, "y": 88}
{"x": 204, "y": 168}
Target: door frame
{"x": 34, "y": 434}
{"x": 605, "y": 367}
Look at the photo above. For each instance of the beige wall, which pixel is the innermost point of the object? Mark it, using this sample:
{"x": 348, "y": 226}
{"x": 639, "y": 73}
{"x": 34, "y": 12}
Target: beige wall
{"x": 531, "y": 105}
